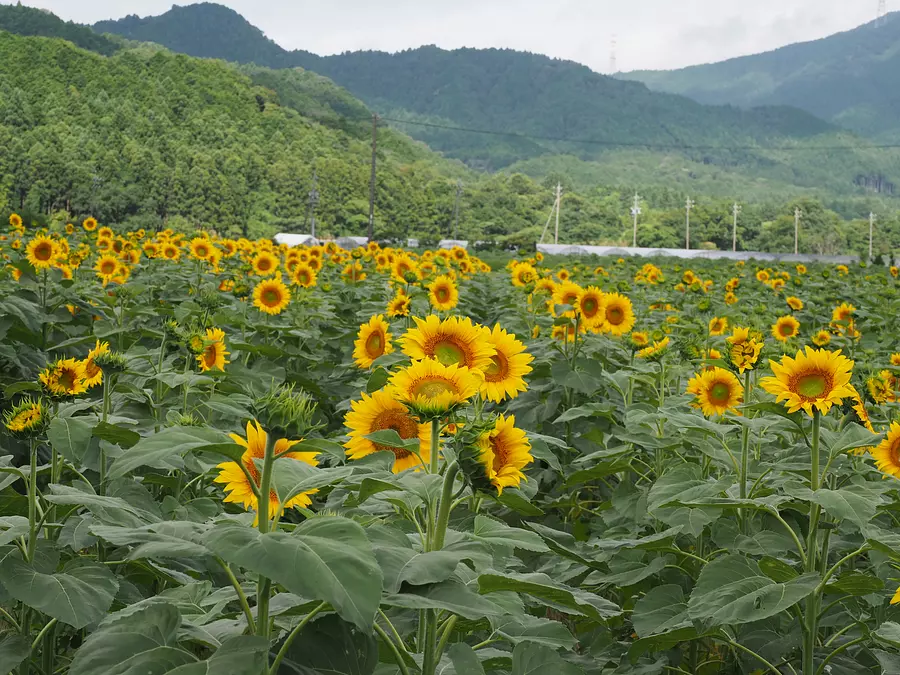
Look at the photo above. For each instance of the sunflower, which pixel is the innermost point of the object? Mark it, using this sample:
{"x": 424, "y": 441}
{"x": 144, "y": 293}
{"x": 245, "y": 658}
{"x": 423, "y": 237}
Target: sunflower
{"x": 503, "y": 377}
{"x": 403, "y": 269}
{"x": 887, "y": 453}
{"x": 843, "y": 313}
{"x": 858, "y": 407}
{"x": 93, "y": 374}
{"x": 639, "y": 339}
{"x": 523, "y": 274}
{"x": 271, "y": 296}
{"x": 762, "y": 276}
{"x": 443, "y": 294}
{"x": 105, "y": 233}
{"x": 238, "y": 486}
{"x": 716, "y": 390}
{"x": 657, "y": 349}
{"x": 563, "y": 275}
{"x": 399, "y": 305}
{"x": 199, "y": 248}
{"x": 565, "y": 332}
{"x": 718, "y": 325}
{"x": 895, "y": 359}
{"x": 801, "y": 268}
{"x": 432, "y": 390}
{"x": 618, "y": 314}
{"x": 379, "y": 412}
{"x": 451, "y": 341}
{"x": 65, "y": 377}
{"x": 894, "y": 271}
{"x": 27, "y": 417}
{"x": 15, "y": 221}
{"x": 881, "y": 387}
{"x": 106, "y": 267}
{"x": 590, "y": 307}
{"x": 545, "y": 285}
{"x": 264, "y": 264}
{"x": 372, "y": 341}
{"x": 822, "y": 338}
{"x": 565, "y": 293}
{"x": 304, "y": 275}
{"x": 814, "y": 379}
{"x": 353, "y": 273}
{"x": 504, "y": 451}
{"x": 89, "y": 224}
{"x": 794, "y": 303}
{"x": 213, "y": 351}
{"x": 785, "y": 328}
{"x": 41, "y": 252}
{"x": 171, "y": 252}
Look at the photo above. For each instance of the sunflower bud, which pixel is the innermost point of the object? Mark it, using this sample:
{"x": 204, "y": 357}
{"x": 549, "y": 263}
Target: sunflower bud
{"x": 111, "y": 362}
{"x": 27, "y": 419}
{"x": 410, "y": 277}
{"x": 179, "y": 419}
{"x": 467, "y": 445}
{"x": 286, "y": 412}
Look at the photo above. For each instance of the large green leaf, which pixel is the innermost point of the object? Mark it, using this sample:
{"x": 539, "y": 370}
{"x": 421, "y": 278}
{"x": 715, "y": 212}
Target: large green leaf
{"x": 627, "y": 573}
{"x": 13, "y": 650}
{"x": 168, "y": 539}
{"x": 553, "y": 594}
{"x": 241, "y": 655}
{"x": 293, "y": 477}
{"x": 404, "y": 565}
{"x": 326, "y": 558}
{"x": 79, "y": 595}
{"x": 108, "y": 510}
{"x": 733, "y": 590}
{"x": 70, "y": 437}
{"x": 527, "y": 628}
{"x": 330, "y": 646}
{"x": 661, "y": 610}
{"x": 464, "y": 660}
{"x": 137, "y": 640}
{"x": 853, "y": 503}
{"x": 165, "y": 450}
{"x": 449, "y": 595}
{"x": 534, "y": 659}
{"x": 495, "y": 532}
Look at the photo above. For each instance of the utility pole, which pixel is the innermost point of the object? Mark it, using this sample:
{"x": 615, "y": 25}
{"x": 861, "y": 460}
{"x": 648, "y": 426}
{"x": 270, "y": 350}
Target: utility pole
{"x": 797, "y": 230}
{"x": 313, "y": 202}
{"x": 735, "y": 210}
{"x": 635, "y": 212}
{"x": 372, "y": 178}
{"x": 456, "y": 209}
{"x": 558, "y": 201}
{"x": 871, "y": 232}
{"x": 688, "y": 205}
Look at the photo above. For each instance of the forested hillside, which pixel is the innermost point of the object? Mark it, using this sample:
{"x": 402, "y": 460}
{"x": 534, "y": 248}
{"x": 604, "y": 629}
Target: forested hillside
{"x": 850, "y": 78}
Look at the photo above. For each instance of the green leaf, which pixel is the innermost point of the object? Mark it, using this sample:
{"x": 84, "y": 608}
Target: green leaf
{"x": 464, "y": 659}
{"x": 330, "y": 646}
{"x": 553, "y": 594}
{"x": 79, "y": 595}
{"x": 326, "y": 558}
{"x": 404, "y": 565}
{"x": 124, "y": 438}
{"x": 599, "y": 470}
{"x": 240, "y": 655}
{"x": 777, "y": 570}
{"x": 448, "y": 595}
{"x": 855, "y": 583}
{"x": 586, "y": 410}
{"x": 389, "y": 438}
{"x": 627, "y": 574}
{"x": 108, "y": 510}
{"x": 498, "y": 533}
{"x": 292, "y": 477}
{"x": 853, "y": 503}
{"x": 662, "y": 610}
{"x": 141, "y": 638}
{"x": 732, "y": 590}
{"x": 527, "y": 628}
{"x": 13, "y": 650}
{"x": 168, "y": 539}
{"x": 70, "y": 437}
{"x": 166, "y": 449}
{"x": 851, "y": 437}
{"x": 377, "y": 379}
{"x": 323, "y": 446}
{"x": 534, "y": 659}
{"x": 518, "y": 502}
{"x": 889, "y": 633}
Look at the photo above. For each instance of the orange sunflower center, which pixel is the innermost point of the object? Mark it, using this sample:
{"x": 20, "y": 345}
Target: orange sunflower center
{"x": 67, "y": 379}
{"x": 786, "y": 329}
{"x": 811, "y": 385}
{"x": 719, "y": 393}
{"x": 447, "y": 350}
{"x": 170, "y": 252}
{"x": 43, "y": 251}
{"x": 263, "y": 264}
{"x": 90, "y": 368}
{"x": 497, "y": 369}
{"x": 271, "y": 297}
{"x": 399, "y": 421}
{"x": 589, "y": 307}
{"x": 432, "y": 387}
{"x": 615, "y": 315}
{"x": 209, "y": 355}
{"x": 375, "y": 345}
{"x": 108, "y": 267}
{"x": 501, "y": 452}
{"x": 442, "y": 293}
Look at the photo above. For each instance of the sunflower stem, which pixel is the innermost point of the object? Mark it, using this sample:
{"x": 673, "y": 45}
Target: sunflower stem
{"x": 440, "y": 530}
{"x": 32, "y": 502}
{"x": 812, "y": 601}
{"x": 264, "y": 584}
{"x": 104, "y": 415}
{"x": 435, "y": 445}
{"x": 745, "y": 456}
{"x": 292, "y": 636}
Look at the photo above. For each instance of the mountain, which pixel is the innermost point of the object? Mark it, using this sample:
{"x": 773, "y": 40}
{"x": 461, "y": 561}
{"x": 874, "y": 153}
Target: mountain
{"x": 29, "y": 21}
{"x": 526, "y": 111}
{"x": 851, "y": 79}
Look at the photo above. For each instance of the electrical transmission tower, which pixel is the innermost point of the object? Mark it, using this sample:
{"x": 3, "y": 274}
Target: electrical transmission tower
{"x": 613, "y": 66}
{"x": 882, "y": 12}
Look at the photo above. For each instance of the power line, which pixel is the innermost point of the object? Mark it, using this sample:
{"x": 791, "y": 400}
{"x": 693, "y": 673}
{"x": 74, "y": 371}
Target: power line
{"x": 633, "y": 144}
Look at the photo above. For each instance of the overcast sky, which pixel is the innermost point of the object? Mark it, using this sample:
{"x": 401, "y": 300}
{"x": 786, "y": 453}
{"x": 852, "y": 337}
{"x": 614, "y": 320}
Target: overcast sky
{"x": 653, "y": 34}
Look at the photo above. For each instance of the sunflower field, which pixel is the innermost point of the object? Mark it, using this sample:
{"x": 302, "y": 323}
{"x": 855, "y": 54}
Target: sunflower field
{"x": 230, "y": 457}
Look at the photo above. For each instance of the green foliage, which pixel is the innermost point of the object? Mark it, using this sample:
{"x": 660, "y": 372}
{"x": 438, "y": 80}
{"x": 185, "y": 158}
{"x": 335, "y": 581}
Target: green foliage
{"x": 28, "y": 21}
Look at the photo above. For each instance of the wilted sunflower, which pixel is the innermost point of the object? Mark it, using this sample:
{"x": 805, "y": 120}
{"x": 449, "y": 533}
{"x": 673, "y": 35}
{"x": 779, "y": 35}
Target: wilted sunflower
{"x": 89, "y": 224}
{"x": 304, "y": 275}
{"x": 794, "y": 303}
{"x": 617, "y": 314}
{"x": 503, "y": 377}
{"x": 590, "y": 307}
{"x": 200, "y": 248}
{"x": 785, "y": 327}
{"x": 887, "y": 453}
{"x": 237, "y": 486}
{"x": 212, "y": 354}
{"x": 813, "y": 379}
{"x": 372, "y": 341}
{"x": 716, "y": 390}
{"x": 432, "y": 390}
{"x": 565, "y": 293}
{"x": 451, "y": 341}
{"x": 93, "y": 374}
{"x": 718, "y": 325}
{"x": 745, "y": 348}
{"x": 443, "y": 294}
{"x": 264, "y": 264}
{"x": 822, "y": 338}
{"x": 271, "y": 296}
{"x": 379, "y": 412}
{"x": 399, "y": 305}
{"x": 504, "y": 452}
{"x": 27, "y": 417}
{"x": 41, "y": 252}
{"x": 65, "y": 377}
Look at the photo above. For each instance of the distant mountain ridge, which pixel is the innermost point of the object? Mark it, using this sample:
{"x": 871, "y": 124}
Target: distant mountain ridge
{"x": 851, "y": 78}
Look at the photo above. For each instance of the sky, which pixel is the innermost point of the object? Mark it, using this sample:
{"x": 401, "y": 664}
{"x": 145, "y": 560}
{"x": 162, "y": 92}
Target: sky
{"x": 650, "y": 34}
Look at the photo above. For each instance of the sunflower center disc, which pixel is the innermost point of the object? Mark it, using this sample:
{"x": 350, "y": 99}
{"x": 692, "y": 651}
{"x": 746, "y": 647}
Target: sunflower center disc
{"x": 589, "y": 307}
{"x": 67, "y": 379}
{"x": 374, "y": 345}
{"x": 432, "y": 388}
{"x": 720, "y": 393}
{"x": 812, "y": 385}
{"x": 615, "y": 315}
{"x": 271, "y": 297}
{"x": 496, "y": 369}
{"x": 449, "y": 353}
